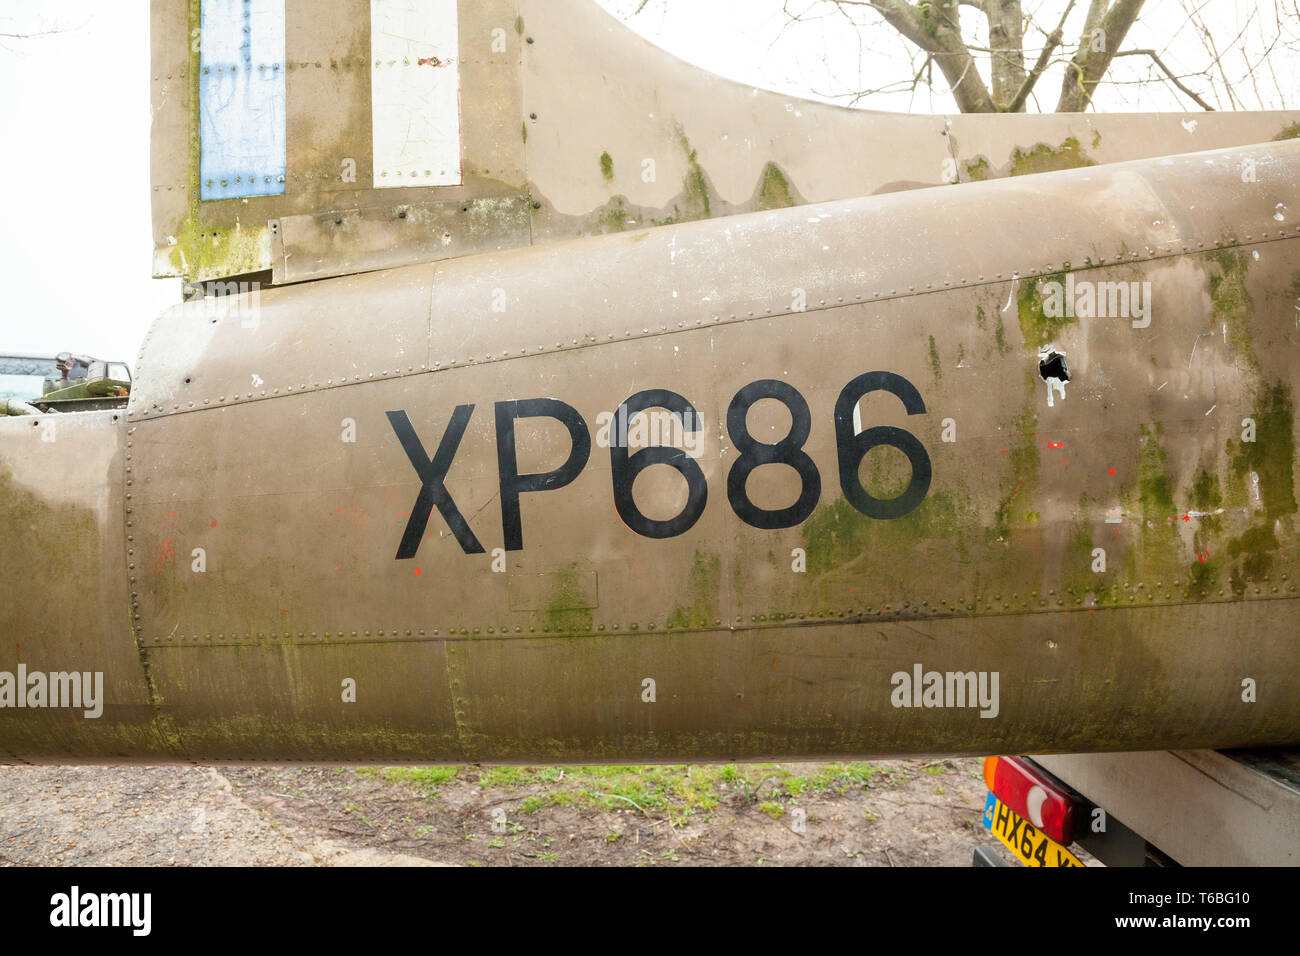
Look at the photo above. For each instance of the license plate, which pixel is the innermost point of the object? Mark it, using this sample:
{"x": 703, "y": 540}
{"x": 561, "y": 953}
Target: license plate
{"x": 1030, "y": 846}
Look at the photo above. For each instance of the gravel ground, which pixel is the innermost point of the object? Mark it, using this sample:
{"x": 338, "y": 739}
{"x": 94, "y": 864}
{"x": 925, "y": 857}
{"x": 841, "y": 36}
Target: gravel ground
{"x": 148, "y": 816}
{"x": 906, "y": 813}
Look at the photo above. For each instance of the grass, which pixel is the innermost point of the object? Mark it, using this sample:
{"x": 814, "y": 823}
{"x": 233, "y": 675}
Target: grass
{"x": 678, "y": 791}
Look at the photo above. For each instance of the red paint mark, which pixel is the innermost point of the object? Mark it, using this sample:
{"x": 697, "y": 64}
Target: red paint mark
{"x": 1187, "y": 516}
{"x": 1203, "y": 556}
{"x": 1065, "y": 461}
{"x": 213, "y": 525}
{"x": 283, "y": 611}
{"x": 430, "y": 61}
{"x": 1013, "y": 494}
{"x": 336, "y": 511}
{"x": 1110, "y": 471}
{"x": 1056, "y": 444}
{"x": 850, "y": 590}
{"x": 417, "y": 572}
{"x": 402, "y": 515}
{"x": 1005, "y": 450}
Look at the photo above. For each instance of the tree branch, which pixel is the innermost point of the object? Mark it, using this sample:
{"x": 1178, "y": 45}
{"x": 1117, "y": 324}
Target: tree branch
{"x": 1027, "y": 85}
{"x": 934, "y": 28}
{"x": 1169, "y": 73}
{"x": 1089, "y": 64}
{"x": 1007, "y": 54}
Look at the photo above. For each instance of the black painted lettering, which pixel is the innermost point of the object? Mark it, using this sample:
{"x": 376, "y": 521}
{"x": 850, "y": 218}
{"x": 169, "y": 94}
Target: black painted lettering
{"x": 433, "y": 472}
{"x": 514, "y": 484}
{"x": 624, "y": 467}
{"x": 788, "y": 451}
{"x": 853, "y": 448}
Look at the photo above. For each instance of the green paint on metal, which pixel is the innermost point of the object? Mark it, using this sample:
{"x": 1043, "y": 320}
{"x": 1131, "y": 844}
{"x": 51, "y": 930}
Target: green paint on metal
{"x": 1000, "y": 334}
{"x": 1290, "y": 131}
{"x": 1037, "y": 327}
{"x": 774, "y": 189}
{"x": 1043, "y": 159}
{"x": 606, "y": 166}
{"x": 935, "y": 365}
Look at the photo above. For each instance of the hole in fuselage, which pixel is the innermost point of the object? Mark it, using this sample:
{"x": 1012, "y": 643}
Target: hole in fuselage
{"x": 1052, "y": 365}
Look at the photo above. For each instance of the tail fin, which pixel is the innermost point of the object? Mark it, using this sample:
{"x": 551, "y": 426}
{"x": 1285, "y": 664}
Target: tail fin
{"x": 395, "y": 131}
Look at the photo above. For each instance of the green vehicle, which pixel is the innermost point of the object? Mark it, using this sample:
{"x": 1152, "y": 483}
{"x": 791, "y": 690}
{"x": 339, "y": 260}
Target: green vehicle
{"x": 33, "y": 384}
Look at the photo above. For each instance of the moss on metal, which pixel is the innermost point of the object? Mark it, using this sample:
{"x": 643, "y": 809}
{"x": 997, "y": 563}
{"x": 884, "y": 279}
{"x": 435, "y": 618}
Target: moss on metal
{"x": 1043, "y": 159}
{"x": 208, "y": 247}
{"x": 1155, "y": 486}
{"x": 1022, "y": 482}
{"x": 565, "y": 613}
{"x": 1271, "y": 456}
{"x": 838, "y": 535}
{"x": 703, "y": 586}
{"x": 774, "y": 189}
{"x": 607, "y": 165}
{"x": 1231, "y": 301}
{"x": 1077, "y": 576}
{"x": 696, "y": 199}
{"x": 1037, "y": 327}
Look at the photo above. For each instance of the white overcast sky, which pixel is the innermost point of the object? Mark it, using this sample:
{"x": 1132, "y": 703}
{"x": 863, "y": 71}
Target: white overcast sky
{"x": 75, "y": 240}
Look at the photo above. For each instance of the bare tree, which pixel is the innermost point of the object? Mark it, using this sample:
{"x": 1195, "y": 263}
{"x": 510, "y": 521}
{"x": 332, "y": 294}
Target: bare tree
{"x": 994, "y": 57}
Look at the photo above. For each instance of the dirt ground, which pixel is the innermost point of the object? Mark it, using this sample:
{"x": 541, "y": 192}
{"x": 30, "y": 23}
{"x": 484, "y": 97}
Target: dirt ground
{"x": 883, "y": 813}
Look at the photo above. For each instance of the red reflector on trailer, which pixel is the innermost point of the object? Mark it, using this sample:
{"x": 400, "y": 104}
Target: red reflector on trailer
{"x": 1028, "y": 792}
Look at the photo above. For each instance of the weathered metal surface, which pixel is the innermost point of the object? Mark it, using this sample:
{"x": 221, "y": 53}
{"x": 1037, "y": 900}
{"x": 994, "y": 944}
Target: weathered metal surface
{"x": 602, "y": 131}
{"x": 262, "y": 443}
{"x": 329, "y": 132}
{"x": 65, "y": 603}
{"x": 311, "y": 246}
